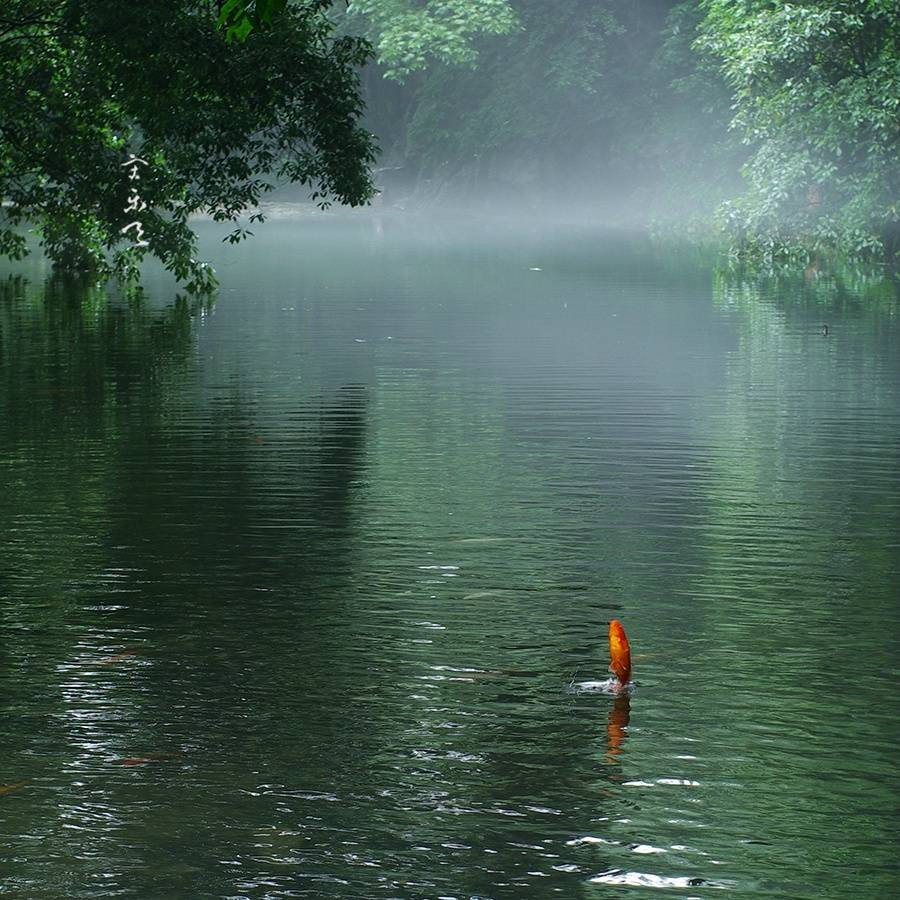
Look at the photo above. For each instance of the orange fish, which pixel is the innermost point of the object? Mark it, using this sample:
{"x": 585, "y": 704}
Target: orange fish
{"x": 9, "y": 788}
{"x": 619, "y": 652}
{"x": 119, "y": 657}
{"x": 144, "y": 760}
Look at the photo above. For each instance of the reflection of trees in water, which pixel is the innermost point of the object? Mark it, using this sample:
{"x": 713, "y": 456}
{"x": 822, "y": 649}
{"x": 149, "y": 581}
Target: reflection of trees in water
{"x": 264, "y": 507}
{"x": 76, "y": 371}
{"x": 803, "y": 432}
{"x": 800, "y": 484}
{"x": 97, "y": 403}
{"x": 71, "y": 357}
{"x": 245, "y": 550}
{"x": 73, "y": 370}
{"x": 823, "y": 287}
{"x": 139, "y": 515}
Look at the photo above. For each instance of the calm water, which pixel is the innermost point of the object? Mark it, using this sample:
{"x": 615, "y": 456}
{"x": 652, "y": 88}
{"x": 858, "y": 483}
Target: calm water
{"x": 321, "y": 562}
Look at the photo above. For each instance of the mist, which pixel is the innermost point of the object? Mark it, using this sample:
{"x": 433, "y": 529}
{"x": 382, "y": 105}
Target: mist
{"x": 606, "y": 119}
{"x": 658, "y": 116}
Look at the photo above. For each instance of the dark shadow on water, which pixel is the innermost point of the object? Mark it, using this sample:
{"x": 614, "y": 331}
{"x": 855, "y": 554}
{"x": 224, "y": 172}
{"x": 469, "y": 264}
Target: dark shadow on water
{"x": 196, "y": 539}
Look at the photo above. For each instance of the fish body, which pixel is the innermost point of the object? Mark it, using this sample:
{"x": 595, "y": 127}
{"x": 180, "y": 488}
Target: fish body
{"x": 119, "y": 657}
{"x": 145, "y": 760}
{"x": 619, "y": 652}
{"x": 9, "y": 788}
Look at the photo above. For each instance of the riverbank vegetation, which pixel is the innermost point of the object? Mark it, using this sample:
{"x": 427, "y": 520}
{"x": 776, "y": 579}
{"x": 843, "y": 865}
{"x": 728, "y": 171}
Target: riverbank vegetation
{"x": 778, "y": 122}
{"x": 774, "y": 125}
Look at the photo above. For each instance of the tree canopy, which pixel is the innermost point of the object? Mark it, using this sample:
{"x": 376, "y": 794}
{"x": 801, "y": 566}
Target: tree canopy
{"x": 409, "y": 35}
{"x": 817, "y": 96}
{"x": 87, "y": 84}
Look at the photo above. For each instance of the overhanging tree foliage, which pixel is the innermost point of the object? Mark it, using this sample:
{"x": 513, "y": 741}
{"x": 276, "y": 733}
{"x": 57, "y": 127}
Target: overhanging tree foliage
{"x": 84, "y": 84}
{"x": 240, "y": 17}
{"x": 409, "y": 34}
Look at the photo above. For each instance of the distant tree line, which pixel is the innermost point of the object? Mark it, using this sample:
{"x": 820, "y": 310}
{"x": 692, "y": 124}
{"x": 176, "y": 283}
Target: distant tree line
{"x": 782, "y": 116}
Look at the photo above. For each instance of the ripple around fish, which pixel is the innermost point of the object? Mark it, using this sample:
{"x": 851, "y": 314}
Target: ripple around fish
{"x": 650, "y": 880}
{"x": 610, "y": 686}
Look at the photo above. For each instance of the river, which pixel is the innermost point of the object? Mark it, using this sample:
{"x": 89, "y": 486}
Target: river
{"x": 295, "y": 586}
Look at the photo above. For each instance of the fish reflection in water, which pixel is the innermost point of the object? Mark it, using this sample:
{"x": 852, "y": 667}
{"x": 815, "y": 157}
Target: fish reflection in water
{"x": 619, "y": 686}
{"x": 617, "y": 726}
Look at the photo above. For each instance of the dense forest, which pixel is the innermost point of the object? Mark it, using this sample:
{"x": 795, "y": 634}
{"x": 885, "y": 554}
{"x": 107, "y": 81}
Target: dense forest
{"x": 776, "y": 123}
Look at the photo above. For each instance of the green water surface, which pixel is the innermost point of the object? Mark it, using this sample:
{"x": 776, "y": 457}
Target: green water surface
{"x": 296, "y": 589}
